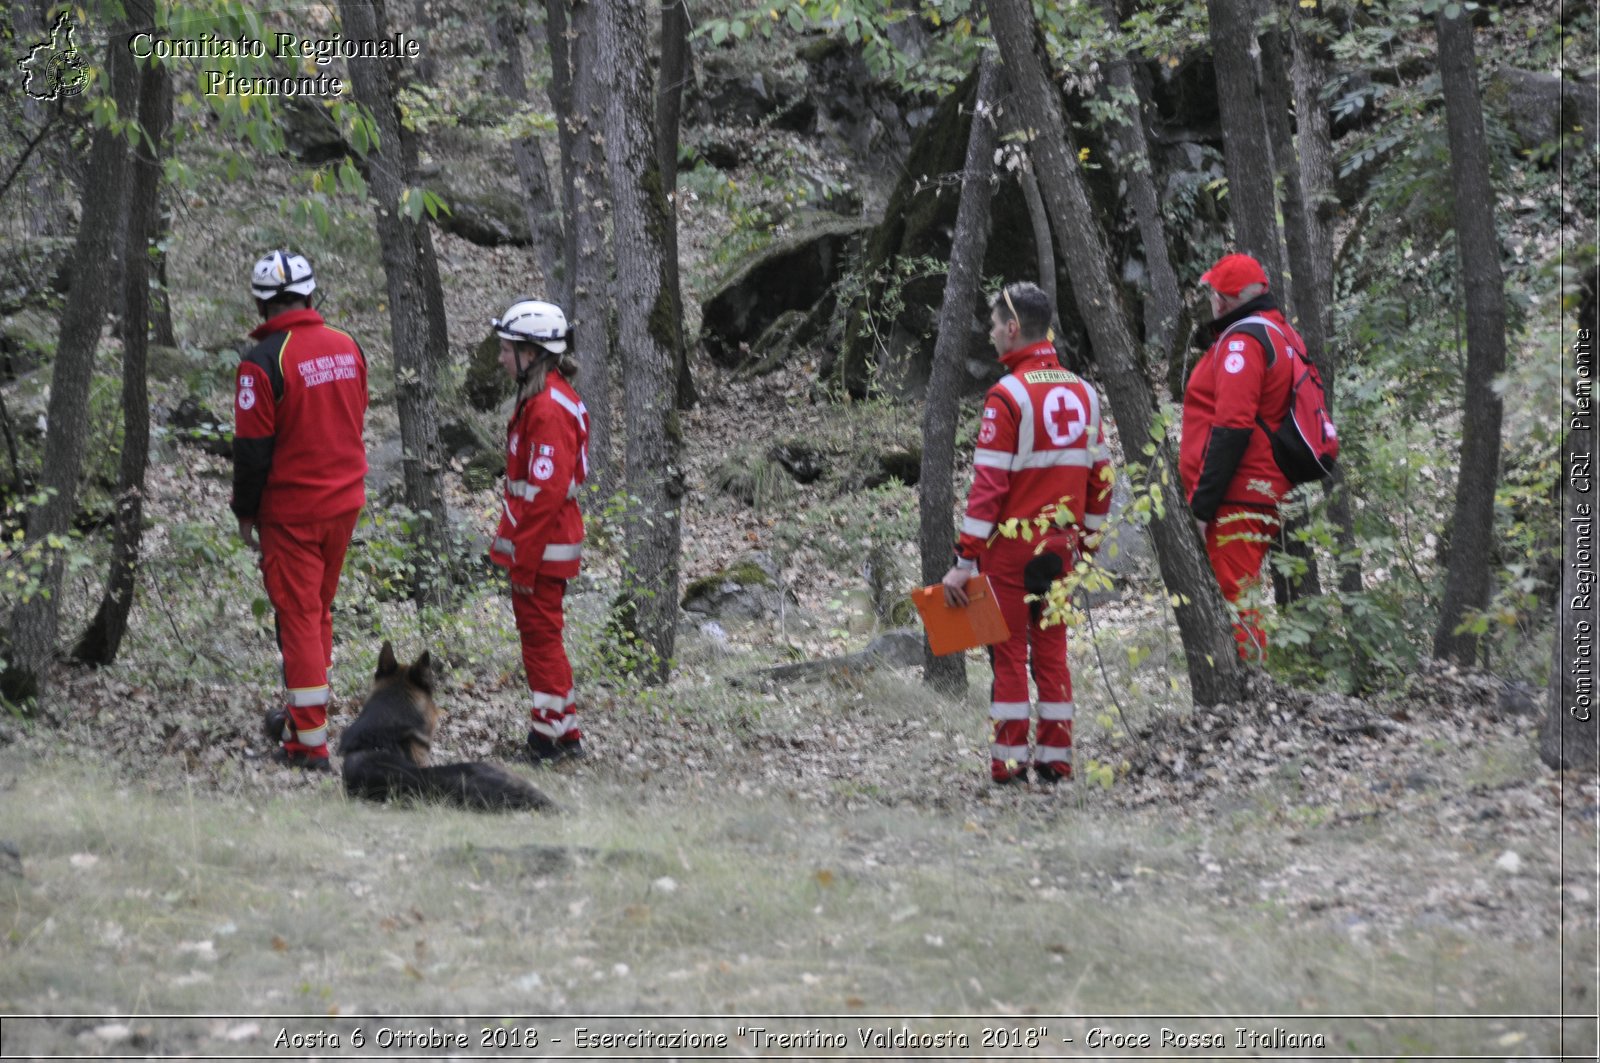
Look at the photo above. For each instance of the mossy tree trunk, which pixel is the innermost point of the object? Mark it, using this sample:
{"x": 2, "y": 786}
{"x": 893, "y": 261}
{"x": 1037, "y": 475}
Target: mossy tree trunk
{"x": 1215, "y": 672}
{"x": 35, "y": 623}
{"x": 940, "y": 412}
{"x": 102, "y": 639}
{"x": 649, "y": 332}
{"x": 416, "y": 301}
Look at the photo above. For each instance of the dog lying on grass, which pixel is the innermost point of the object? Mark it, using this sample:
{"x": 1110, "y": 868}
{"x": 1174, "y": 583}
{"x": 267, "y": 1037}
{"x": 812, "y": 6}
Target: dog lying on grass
{"x": 386, "y": 750}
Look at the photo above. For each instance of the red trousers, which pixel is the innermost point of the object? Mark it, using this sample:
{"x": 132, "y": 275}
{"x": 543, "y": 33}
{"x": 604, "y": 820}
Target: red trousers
{"x": 1016, "y": 569}
{"x": 300, "y": 564}
{"x": 1237, "y": 541}
{"x": 544, "y": 659}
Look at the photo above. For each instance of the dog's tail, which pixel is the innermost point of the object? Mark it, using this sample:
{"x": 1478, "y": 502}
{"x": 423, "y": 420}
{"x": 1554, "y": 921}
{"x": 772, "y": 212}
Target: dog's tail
{"x": 379, "y": 775}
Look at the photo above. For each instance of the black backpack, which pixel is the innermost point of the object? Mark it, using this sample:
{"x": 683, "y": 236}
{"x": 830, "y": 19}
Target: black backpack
{"x": 1305, "y": 444}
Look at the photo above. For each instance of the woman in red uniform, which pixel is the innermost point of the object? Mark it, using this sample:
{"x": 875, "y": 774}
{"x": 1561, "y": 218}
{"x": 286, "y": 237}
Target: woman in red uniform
{"x": 540, "y": 537}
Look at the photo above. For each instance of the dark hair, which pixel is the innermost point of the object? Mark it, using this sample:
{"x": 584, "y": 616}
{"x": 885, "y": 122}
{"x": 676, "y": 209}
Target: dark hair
{"x": 283, "y": 301}
{"x": 1027, "y": 305}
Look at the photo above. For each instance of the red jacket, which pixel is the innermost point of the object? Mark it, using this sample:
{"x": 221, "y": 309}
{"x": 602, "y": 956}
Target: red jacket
{"x": 1041, "y": 445}
{"x": 547, "y": 460}
{"x": 1224, "y": 458}
{"x": 299, "y": 405}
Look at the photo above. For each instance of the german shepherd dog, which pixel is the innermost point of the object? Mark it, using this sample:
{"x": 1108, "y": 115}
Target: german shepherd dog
{"x": 386, "y": 750}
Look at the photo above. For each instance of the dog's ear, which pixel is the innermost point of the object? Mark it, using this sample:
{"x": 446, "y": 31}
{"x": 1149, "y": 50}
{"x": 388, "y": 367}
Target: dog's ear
{"x": 387, "y": 665}
{"x": 421, "y": 673}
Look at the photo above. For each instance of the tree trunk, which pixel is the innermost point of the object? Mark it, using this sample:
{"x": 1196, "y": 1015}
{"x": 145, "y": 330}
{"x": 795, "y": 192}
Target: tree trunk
{"x": 940, "y": 413}
{"x": 1570, "y": 732}
{"x": 538, "y": 206}
{"x": 103, "y": 637}
{"x": 1466, "y": 586}
{"x": 1215, "y": 672}
{"x": 35, "y": 622}
{"x": 422, "y": 26}
{"x": 1300, "y": 281}
{"x": 1044, "y": 241}
{"x": 161, "y": 330}
{"x": 1252, "y": 204}
{"x": 576, "y": 88}
{"x": 560, "y": 89}
{"x": 675, "y": 73}
{"x": 1311, "y": 70}
{"x": 416, "y": 302}
{"x": 649, "y": 328}
{"x": 1163, "y": 303}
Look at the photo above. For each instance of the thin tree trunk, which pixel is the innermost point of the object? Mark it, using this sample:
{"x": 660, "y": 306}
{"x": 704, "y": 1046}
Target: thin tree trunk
{"x": 1247, "y": 149}
{"x": 416, "y": 302}
{"x": 560, "y": 89}
{"x": 1466, "y": 586}
{"x": 1044, "y": 242}
{"x": 1311, "y": 69}
{"x": 967, "y": 247}
{"x": 422, "y": 26}
{"x": 11, "y": 447}
{"x": 103, "y": 637}
{"x": 675, "y": 73}
{"x": 1163, "y": 304}
{"x": 649, "y": 331}
{"x": 1299, "y": 281}
{"x": 538, "y": 205}
{"x": 1215, "y": 673}
{"x": 576, "y": 92}
{"x": 35, "y": 622}
{"x": 161, "y": 330}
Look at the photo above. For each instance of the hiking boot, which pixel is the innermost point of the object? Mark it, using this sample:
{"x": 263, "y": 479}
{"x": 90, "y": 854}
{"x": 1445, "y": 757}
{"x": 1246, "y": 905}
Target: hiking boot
{"x": 1045, "y": 775}
{"x": 1016, "y": 778}
{"x": 273, "y": 723}
{"x": 302, "y": 762}
{"x": 542, "y": 750}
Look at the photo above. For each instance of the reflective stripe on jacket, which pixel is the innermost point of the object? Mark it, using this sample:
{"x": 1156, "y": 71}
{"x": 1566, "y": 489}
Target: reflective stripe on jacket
{"x": 547, "y": 461}
{"x": 1041, "y": 447}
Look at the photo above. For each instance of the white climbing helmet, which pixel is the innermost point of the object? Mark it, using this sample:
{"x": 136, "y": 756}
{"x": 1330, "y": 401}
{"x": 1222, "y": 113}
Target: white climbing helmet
{"x": 280, "y": 272}
{"x": 533, "y": 321}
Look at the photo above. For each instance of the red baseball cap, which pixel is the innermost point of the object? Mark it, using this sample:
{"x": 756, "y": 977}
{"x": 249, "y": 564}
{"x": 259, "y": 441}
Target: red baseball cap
{"x": 1233, "y": 274}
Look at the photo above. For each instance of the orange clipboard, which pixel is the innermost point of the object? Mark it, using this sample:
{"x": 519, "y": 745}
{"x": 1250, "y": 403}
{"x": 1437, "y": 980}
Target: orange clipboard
{"x": 951, "y": 630}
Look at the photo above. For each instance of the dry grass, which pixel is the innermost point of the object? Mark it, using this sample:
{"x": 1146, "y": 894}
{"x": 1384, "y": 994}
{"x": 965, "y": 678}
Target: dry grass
{"x": 674, "y": 898}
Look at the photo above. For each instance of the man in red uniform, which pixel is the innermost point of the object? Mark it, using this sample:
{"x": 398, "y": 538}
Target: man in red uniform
{"x": 1041, "y": 453}
{"x": 1229, "y": 475}
{"x": 540, "y": 536}
{"x": 299, "y": 471}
